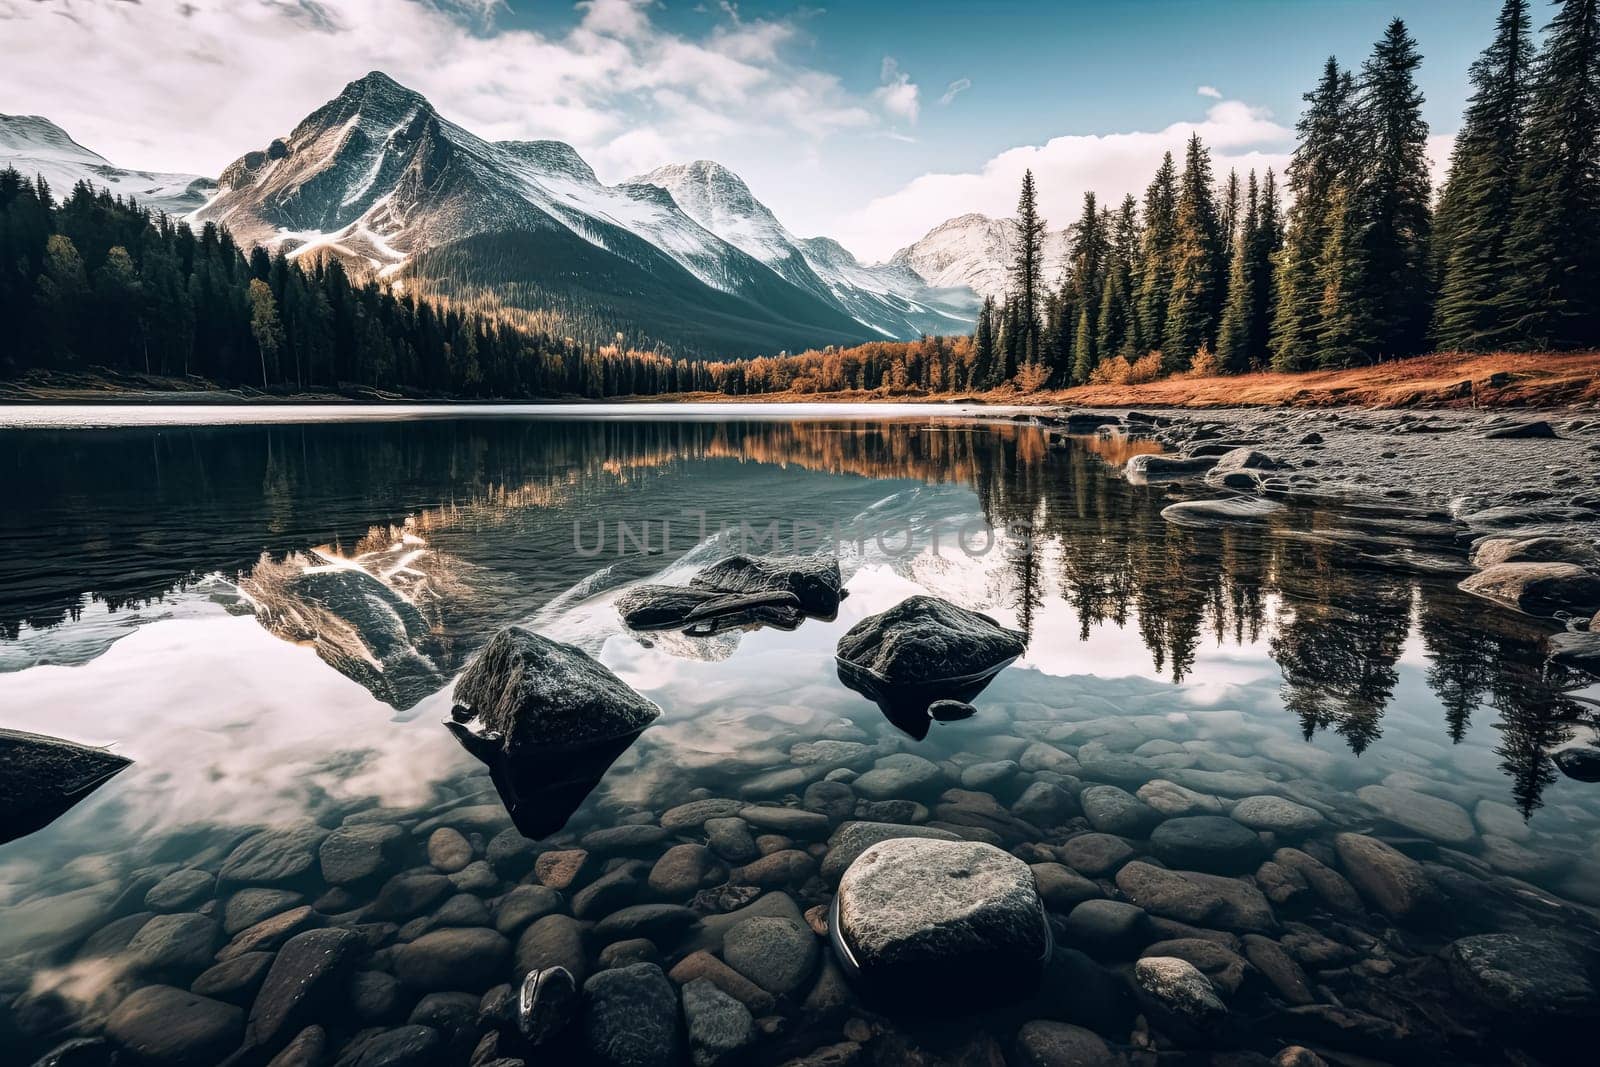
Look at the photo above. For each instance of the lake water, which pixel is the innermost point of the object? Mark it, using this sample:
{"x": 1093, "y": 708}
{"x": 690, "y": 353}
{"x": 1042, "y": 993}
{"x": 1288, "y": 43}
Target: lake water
{"x": 154, "y": 598}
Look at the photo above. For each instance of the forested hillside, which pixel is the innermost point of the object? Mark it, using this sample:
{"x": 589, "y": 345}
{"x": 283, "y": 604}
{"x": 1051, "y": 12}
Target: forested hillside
{"x": 1364, "y": 265}
{"x": 96, "y": 281}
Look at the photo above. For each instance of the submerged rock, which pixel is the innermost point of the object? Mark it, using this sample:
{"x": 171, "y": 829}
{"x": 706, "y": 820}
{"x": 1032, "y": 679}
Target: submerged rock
{"x": 1141, "y": 470}
{"x": 940, "y": 923}
{"x": 547, "y": 1003}
{"x": 1577, "y": 648}
{"x": 853, "y": 838}
{"x": 1178, "y": 997}
{"x": 1533, "y": 979}
{"x": 1229, "y": 511}
{"x": 1390, "y": 880}
{"x": 45, "y": 776}
{"x": 548, "y": 720}
{"x": 1535, "y": 550}
{"x": 1582, "y": 764}
{"x": 1212, "y": 843}
{"x": 631, "y": 1018}
{"x": 1541, "y": 589}
{"x": 160, "y": 1024}
{"x": 720, "y": 1028}
{"x": 924, "y": 639}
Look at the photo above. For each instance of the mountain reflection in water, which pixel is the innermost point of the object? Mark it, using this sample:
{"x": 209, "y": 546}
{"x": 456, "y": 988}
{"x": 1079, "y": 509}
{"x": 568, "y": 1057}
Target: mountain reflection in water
{"x": 395, "y": 549}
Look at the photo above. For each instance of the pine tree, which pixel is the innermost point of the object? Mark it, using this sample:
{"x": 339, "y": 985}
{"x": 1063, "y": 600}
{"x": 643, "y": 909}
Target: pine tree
{"x": 983, "y": 354}
{"x": 1196, "y": 282}
{"x": 1264, "y": 256}
{"x": 1156, "y": 268}
{"x": 1027, "y": 268}
{"x": 1235, "y": 343}
{"x": 1473, "y": 223}
{"x": 1552, "y": 297}
{"x": 1085, "y": 279}
{"x": 1012, "y": 343}
{"x": 1387, "y": 214}
{"x": 1119, "y": 332}
{"x": 1324, "y": 151}
{"x": 1344, "y": 318}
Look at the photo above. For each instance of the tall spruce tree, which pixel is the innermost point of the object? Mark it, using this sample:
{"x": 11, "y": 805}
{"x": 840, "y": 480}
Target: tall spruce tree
{"x": 983, "y": 347}
{"x": 1118, "y": 325}
{"x": 1027, "y": 269}
{"x": 1085, "y": 278}
{"x": 1552, "y": 297}
{"x": 1156, "y": 254}
{"x": 1323, "y": 153}
{"x": 1235, "y": 344}
{"x": 1264, "y": 256}
{"x": 1476, "y": 206}
{"x": 1197, "y": 249}
{"x": 1387, "y": 214}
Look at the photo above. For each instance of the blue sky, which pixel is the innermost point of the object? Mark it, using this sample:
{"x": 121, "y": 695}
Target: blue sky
{"x": 832, "y": 113}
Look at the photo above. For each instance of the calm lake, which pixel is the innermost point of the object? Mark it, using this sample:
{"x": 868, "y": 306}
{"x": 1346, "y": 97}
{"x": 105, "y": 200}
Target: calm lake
{"x": 165, "y": 590}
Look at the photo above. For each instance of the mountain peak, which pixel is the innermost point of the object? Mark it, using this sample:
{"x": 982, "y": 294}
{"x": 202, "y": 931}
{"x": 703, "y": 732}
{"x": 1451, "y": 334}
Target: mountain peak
{"x": 377, "y": 96}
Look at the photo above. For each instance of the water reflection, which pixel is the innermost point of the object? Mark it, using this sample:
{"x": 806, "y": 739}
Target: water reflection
{"x": 395, "y": 549}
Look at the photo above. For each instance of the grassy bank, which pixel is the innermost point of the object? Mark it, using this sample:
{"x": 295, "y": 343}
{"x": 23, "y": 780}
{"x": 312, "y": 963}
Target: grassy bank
{"x": 1443, "y": 380}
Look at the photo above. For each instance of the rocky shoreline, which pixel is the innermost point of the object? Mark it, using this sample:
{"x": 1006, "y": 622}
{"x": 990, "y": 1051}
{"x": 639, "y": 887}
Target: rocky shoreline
{"x": 1517, "y": 494}
{"x": 1245, "y": 926}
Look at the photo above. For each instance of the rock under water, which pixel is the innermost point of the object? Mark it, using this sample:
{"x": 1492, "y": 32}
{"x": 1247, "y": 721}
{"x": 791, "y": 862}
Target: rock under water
{"x": 939, "y": 925}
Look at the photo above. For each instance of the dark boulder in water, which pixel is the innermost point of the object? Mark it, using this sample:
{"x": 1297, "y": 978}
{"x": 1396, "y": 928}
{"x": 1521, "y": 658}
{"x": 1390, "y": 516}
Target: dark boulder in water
{"x": 1582, "y": 764}
{"x": 924, "y": 640}
{"x": 1537, "y": 588}
{"x": 548, "y": 720}
{"x": 925, "y": 654}
{"x": 527, "y": 693}
{"x": 705, "y": 611}
{"x": 44, "y": 777}
{"x": 814, "y": 580}
{"x": 1141, "y": 470}
{"x": 736, "y": 592}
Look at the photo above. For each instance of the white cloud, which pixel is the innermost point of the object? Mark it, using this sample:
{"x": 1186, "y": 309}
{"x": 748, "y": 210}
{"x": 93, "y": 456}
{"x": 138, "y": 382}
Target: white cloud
{"x": 898, "y": 95}
{"x": 955, "y": 89}
{"x": 1240, "y": 137}
{"x": 178, "y": 86}
{"x": 1210, "y": 90}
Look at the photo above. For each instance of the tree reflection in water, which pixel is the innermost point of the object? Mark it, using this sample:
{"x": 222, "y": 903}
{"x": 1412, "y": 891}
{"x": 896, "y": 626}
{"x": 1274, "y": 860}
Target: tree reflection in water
{"x": 127, "y": 516}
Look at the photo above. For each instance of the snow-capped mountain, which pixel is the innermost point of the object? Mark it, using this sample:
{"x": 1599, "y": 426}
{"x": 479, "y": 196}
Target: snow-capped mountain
{"x": 891, "y": 298}
{"x": 378, "y": 178}
{"x": 974, "y": 251}
{"x": 36, "y": 146}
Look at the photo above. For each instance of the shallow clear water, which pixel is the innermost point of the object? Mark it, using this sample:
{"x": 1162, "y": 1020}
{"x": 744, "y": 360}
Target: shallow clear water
{"x": 150, "y": 599}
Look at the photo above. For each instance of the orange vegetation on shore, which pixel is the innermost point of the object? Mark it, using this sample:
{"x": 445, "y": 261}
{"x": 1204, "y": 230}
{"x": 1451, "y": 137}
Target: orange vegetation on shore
{"x": 1441, "y": 380}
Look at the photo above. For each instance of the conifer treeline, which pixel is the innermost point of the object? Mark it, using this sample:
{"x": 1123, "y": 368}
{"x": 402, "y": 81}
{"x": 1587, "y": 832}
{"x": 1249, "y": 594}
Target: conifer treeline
{"x": 1196, "y": 277}
{"x": 96, "y": 281}
{"x": 1216, "y": 278}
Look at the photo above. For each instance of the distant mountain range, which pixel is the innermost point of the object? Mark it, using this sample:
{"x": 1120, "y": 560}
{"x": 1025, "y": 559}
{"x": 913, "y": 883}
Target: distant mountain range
{"x": 36, "y": 146}
{"x": 684, "y": 256}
